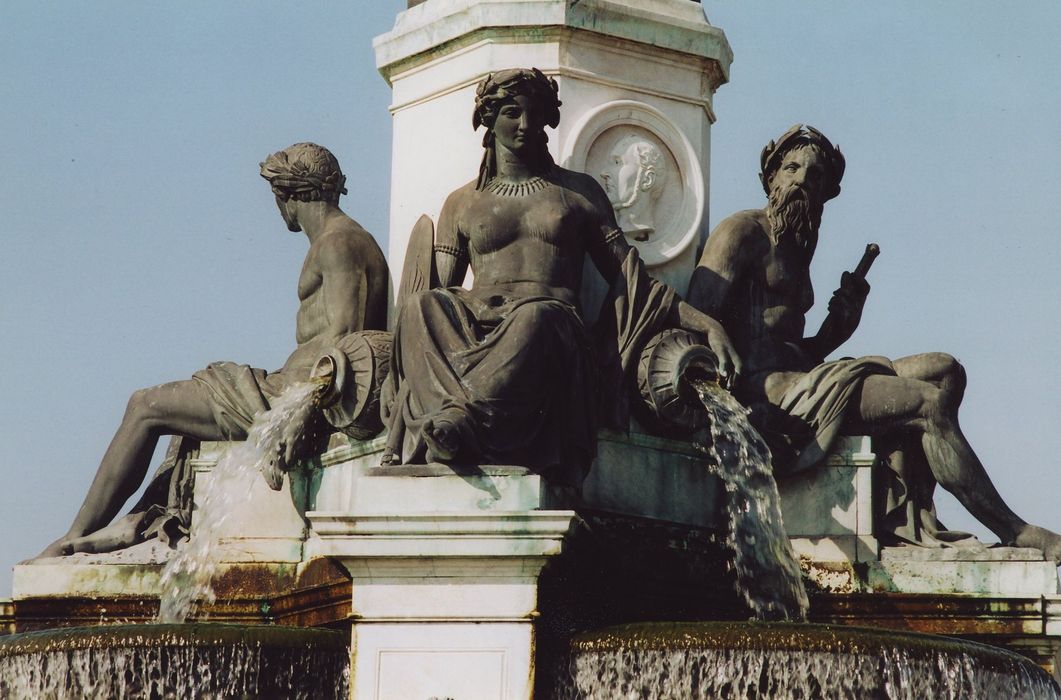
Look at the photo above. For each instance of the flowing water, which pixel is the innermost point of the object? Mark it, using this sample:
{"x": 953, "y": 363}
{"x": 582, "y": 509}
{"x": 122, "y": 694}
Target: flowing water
{"x": 187, "y": 576}
{"x": 768, "y": 572}
{"x": 788, "y": 661}
{"x": 154, "y": 662}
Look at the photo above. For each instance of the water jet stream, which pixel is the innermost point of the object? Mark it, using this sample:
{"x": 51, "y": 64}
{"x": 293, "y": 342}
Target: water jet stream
{"x": 768, "y": 573}
{"x": 187, "y": 577}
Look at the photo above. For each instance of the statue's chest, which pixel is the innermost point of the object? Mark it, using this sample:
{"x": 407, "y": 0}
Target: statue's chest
{"x": 787, "y": 281}
{"x": 309, "y": 280}
{"x": 494, "y": 222}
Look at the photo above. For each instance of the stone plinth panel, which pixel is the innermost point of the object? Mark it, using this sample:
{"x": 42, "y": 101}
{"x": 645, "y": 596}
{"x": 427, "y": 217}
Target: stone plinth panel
{"x": 262, "y": 525}
{"x": 444, "y": 577}
{"x": 651, "y": 477}
{"x": 988, "y": 571}
{"x": 828, "y": 510}
{"x": 607, "y": 56}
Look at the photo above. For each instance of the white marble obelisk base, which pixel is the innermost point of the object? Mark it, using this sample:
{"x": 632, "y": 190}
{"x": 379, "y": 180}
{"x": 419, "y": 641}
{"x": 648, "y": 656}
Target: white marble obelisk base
{"x": 443, "y": 600}
{"x": 631, "y": 73}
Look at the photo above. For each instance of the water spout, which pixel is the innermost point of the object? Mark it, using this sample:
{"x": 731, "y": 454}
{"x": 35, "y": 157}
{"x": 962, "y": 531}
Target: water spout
{"x": 684, "y": 394}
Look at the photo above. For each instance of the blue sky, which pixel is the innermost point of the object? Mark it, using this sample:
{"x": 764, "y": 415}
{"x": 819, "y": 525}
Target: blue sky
{"x": 141, "y": 243}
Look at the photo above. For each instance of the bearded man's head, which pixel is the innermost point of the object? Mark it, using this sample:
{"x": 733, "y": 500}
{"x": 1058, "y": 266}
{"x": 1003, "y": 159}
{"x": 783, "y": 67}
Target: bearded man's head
{"x": 800, "y": 172}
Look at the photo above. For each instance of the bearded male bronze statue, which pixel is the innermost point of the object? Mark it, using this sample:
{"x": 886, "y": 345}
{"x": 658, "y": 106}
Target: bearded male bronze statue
{"x": 754, "y": 276}
{"x": 506, "y": 373}
{"x": 342, "y": 290}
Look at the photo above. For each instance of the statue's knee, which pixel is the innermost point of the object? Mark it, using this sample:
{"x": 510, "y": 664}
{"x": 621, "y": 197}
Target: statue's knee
{"x": 418, "y": 306}
{"x": 949, "y": 365}
{"x": 141, "y": 405}
{"x": 543, "y": 314}
{"x": 951, "y": 373}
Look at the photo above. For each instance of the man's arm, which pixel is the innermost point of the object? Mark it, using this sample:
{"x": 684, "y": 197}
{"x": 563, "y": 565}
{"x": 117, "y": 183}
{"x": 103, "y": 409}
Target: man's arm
{"x": 726, "y": 254}
{"x": 608, "y": 249}
{"x": 845, "y": 313}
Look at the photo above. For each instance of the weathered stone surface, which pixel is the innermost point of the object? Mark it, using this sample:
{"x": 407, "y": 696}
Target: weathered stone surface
{"x": 1013, "y": 574}
{"x": 649, "y": 477}
{"x": 444, "y": 586}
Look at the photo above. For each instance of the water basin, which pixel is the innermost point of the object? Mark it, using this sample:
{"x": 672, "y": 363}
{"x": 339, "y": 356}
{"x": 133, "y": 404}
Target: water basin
{"x": 790, "y": 661}
{"x": 202, "y": 660}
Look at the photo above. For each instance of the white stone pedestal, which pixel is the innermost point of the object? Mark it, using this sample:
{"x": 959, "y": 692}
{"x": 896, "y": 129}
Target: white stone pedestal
{"x": 828, "y": 511}
{"x": 642, "y": 69}
{"x": 445, "y": 579}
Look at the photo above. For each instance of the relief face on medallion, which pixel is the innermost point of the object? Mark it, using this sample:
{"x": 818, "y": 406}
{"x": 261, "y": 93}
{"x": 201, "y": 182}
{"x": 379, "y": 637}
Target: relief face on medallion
{"x": 642, "y": 180}
{"x": 649, "y": 171}
{"x": 635, "y": 176}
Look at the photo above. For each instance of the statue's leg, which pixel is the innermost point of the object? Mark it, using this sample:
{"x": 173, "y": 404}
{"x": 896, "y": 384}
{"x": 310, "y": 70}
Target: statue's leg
{"x": 177, "y": 408}
{"x": 925, "y": 397}
{"x": 481, "y": 386}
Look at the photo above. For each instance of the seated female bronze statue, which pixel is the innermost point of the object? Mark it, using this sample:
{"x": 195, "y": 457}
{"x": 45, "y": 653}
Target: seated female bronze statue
{"x": 506, "y": 372}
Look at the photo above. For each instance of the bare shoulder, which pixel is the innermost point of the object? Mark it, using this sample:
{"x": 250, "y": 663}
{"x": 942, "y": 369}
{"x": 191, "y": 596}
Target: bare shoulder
{"x": 745, "y": 223}
{"x": 744, "y": 232}
{"x": 581, "y": 183}
{"x": 461, "y": 195}
{"x": 456, "y": 202}
{"x": 348, "y": 243}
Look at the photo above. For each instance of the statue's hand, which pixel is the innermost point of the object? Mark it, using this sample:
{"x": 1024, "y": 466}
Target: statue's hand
{"x": 290, "y": 448}
{"x": 729, "y": 364}
{"x": 845, "y": 307}
{"x": 692, "y": 319}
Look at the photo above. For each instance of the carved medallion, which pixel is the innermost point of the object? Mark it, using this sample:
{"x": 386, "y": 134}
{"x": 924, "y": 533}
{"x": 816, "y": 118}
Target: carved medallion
{"x": 649, "y": 171}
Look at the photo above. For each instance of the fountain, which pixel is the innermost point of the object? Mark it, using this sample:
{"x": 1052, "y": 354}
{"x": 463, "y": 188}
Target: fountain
{"x": 758, "y": 660}
{"x": 200, "y": 660}
{"x": 512, "y": 525}
{"x": 788, "y": 661}
{"x": 187, "y": 578}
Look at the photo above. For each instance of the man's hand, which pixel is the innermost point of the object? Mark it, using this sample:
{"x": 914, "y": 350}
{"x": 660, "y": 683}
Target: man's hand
{"x": 289, "y": 449}
{"x": 729, "y": 364}
{"x": 845, "y": 307}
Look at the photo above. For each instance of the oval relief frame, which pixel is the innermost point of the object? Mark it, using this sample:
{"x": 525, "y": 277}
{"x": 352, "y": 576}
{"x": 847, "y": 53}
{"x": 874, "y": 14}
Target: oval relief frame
{"x": 684, "y": 225}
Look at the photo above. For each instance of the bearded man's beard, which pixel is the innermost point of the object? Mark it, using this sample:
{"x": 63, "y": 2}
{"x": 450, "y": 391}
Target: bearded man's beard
{"x": 792, "y": 213}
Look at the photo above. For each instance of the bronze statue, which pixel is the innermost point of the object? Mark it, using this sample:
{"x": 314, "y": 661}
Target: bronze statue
{"x": 342, "y": 288}
{"x": 506, "y": 373}
{"x": 754, "y": 276}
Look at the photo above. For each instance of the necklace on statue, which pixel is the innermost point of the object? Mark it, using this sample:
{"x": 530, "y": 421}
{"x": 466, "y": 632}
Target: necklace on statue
{"x": 504, "y": 188}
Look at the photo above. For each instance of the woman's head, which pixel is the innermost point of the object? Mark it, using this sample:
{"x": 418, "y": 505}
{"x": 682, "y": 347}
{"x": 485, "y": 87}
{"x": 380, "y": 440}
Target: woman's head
{"x": 498, "y": 88}
{"x": 515, "y": 106}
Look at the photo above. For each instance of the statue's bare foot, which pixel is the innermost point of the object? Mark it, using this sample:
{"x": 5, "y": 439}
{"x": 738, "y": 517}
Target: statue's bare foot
{"x": 60, "y": 548}
{"x": 442, "y": 437}
{"x": 1040, "y": 538}
{"x": 120, "y": 534}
